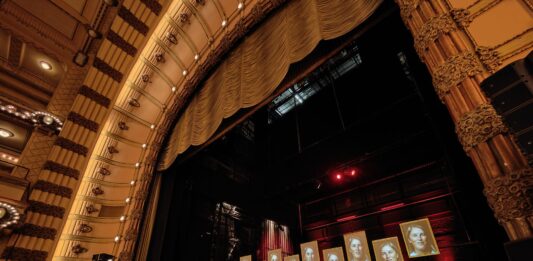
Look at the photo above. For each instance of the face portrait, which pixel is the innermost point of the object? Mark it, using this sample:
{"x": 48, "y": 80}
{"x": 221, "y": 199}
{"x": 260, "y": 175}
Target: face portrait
{"x": 246, "y": 258}
{"x": 389, "y": 252}
{"x": 309, "y": 251}
{"x": 356, "y": 246}
{"x": 419, "y": 238}
{"x": 333, "y": 254}
{"x": 274, "y": 255}
{"x": 292, "y": 258}
{"x": 387, "y": 249}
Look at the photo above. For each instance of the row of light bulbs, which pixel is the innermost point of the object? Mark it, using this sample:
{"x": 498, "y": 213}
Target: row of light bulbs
{"x": 137, "y": 165}
{"x": 10, "y": 157}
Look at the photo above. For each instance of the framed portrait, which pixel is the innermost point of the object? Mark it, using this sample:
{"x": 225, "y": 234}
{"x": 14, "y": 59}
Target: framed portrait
{"x": 246, "y": 258}
{"x": 275, "y": 255}
{"x": 333, "y": 254}
{"x": 356, "y": 246}
{"x": 292, "y": 258}
{"x": 310, "y": 251}
{"x": 419, "y": 239}
{"x": 387, "y": 249}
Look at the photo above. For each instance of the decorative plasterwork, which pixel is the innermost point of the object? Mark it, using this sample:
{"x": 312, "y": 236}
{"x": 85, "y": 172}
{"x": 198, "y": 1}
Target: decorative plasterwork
{"x": 407, "y": 7}
{"x": 46, "y": 209}
{"x": 82, "y": 121}
{"x": 33, "y": 23}
{"x": 37, "y": 231}
{"x": 153, "y": 5}
{"x": 510, "y": 195}
{"x": 490, "y": 58}
{"x": 431, "y": 30}
{"x": 19, "y": 253}
{"x": 95, "y": 96}
{"x": 62, "y": 169}
{"x": 107, "y": 69}
{"x": 132, "y": 20}
{"x": 53, "y": 188}
{"x": 478, "y": 126}
{"x": 455, "y": 70}
{"x": 117, "y": 40}
{"x": 72, "y": 146}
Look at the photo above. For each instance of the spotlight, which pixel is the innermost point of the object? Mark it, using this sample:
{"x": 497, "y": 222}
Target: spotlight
{"x": 338, "y": 176}
{"x": 45, "y": 65}
{"x": 353, "y": 172}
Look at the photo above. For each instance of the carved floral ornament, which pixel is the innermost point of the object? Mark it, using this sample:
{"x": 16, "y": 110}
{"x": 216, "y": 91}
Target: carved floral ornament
{"x": 78, "y": 249}
{"x": 85, "y": 228}
{"x": 478, "y": 126}
{"x": 511, "y": 196}
{"x": 455, "y": 70}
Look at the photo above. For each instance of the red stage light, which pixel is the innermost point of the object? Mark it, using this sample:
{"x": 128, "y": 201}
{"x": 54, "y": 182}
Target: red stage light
{"x": 338, "y": 176}
{"x": 353, "y": 172}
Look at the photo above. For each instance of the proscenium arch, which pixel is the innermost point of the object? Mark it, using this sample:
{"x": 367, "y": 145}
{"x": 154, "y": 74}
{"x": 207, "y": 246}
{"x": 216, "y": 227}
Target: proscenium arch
{"x": 140, "y": 115}
{"x": 161, "y": 93}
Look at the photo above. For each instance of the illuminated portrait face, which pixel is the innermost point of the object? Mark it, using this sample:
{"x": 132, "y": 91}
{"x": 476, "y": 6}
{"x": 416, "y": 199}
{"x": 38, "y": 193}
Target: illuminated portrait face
{"x": 389, "y": 252}
{"x": 388, "y": 249}
{"x": 309, "y": 254}
{"x": 356, "y": 247}
{"x": 417, "y": 238}
{"x": 333, "y": 257}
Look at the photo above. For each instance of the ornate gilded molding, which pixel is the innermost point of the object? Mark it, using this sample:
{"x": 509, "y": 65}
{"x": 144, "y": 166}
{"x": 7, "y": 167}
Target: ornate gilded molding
{"x": 107, "y": 69}
{"x": 510, "y": 195}
{"x": 37, "y": 231}
{"x": 431, "y": 30}
{"x": 132, "y": 20}
{"x": 61, "y": 169}
{"x": 95, "y": 96}
{"x": 131, "y": 234}
{"x": 15, "y": 48}
{"x": 455, "y": 70}
{"x": 19, "y": 253}
{"x": 46, "y": 209}
{"x": 125, "y": 256}
{"x": 78, "y": 249}
{"x": 490, "y": 58}
{"x": 97, "y": 191}
{"x": 407, "y": 7}
{"x": 462, "y": 17}
{"x": 82, "y": 121}
{"x": 117, "y": 40}
{"x": 50, "y": 187}
{"x": 27, "y": 20}
{"x": 478, "y": 126}
{"x": 71, "y": 145}
{"x": 85, "y": 228}
{"x": 104, "y": 171}
{"x": 153, "y": 5}
{"x": 91, "y": 209}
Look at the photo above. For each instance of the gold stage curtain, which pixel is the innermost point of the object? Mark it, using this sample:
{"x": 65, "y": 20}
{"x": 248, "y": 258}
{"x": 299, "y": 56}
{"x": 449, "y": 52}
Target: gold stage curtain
{"x": 255, "y": 68}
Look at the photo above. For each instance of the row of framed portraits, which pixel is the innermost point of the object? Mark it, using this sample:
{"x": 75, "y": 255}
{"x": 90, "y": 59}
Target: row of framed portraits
{"x": 418, "y": 237}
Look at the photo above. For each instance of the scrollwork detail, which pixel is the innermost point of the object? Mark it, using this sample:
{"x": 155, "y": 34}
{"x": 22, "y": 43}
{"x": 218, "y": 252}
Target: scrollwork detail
{"x": 511, "y": 196}
{"x": 478, "y": 126}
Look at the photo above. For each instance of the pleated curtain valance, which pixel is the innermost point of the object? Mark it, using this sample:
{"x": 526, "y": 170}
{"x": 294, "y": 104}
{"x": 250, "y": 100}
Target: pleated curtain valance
{"x": 254, "y": 69}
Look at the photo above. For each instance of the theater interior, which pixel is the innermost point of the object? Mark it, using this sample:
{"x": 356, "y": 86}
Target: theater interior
{"x": 230, "y": 129}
